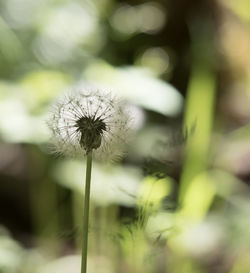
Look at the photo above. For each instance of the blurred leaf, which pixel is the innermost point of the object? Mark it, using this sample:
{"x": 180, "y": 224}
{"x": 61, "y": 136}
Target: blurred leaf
{"x": 137, "y": 85}
{"x": 11, "y": 253}
{"x": 152, "y": 192}
{"x": 17, "y": 125}
{"x": 10, "y": 46}
{"x": 110, "y": 184}
{"x": 42, "y": 86}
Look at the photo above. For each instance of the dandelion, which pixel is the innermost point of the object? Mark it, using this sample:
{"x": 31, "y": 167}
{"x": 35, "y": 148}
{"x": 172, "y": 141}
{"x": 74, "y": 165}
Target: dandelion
{"x": 89, "y": 123}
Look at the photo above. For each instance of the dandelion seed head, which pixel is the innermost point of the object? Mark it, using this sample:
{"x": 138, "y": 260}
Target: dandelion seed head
{"x": 87, "y": 120}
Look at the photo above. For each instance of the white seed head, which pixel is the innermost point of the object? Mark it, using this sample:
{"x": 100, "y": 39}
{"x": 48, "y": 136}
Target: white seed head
{"x": 84, "y": 121}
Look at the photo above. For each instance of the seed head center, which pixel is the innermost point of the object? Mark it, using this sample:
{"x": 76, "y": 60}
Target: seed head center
{"x": 91, "y": 130}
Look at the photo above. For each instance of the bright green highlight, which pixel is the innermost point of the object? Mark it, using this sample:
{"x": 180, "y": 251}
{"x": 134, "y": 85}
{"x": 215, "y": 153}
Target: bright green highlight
{"x": 240, "y": 7}
{"x": 198, "y": 197}
{"x": 42, "y": 85}
{"x": 152, "y": 191}
{"x": 198, "y": 115}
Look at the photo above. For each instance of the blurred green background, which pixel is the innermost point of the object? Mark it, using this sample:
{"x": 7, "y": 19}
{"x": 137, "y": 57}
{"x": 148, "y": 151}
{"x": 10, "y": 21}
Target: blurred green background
{"x": 178, "y": 202}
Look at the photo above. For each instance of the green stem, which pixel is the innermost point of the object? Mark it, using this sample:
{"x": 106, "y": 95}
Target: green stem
{"x": 86, "y": 214}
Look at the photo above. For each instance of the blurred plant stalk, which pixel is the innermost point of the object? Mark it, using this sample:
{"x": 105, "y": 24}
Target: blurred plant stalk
{"x": 199, "y": 114}
{"x": 196, "y": 192}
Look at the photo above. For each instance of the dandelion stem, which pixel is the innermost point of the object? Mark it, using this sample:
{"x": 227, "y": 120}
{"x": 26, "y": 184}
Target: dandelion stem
{"x": 86, "y": 214}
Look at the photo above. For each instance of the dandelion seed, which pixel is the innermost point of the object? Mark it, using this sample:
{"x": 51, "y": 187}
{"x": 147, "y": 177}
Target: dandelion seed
{"x": 85, "y": 121}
